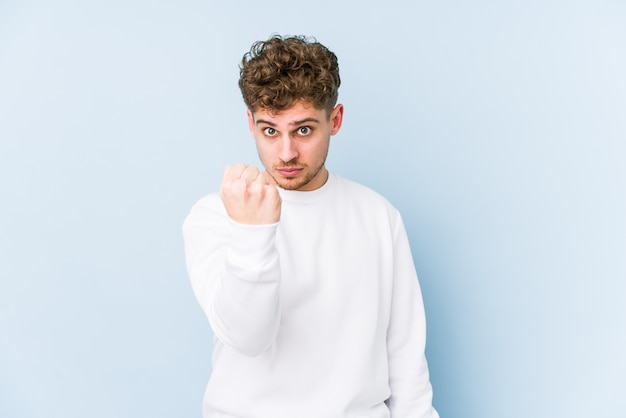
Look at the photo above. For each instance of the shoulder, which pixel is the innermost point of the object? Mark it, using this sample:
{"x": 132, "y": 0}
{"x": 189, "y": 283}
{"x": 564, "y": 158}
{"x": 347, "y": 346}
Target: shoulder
{"x": 206, "y": 211}
{"x": 361, "y": 194}
{"x": 365, "y": 201}
{"x": 210, "y": 202}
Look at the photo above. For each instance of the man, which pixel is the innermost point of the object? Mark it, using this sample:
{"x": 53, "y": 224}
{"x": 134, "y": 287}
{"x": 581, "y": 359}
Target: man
{"x": 307, "y": 279}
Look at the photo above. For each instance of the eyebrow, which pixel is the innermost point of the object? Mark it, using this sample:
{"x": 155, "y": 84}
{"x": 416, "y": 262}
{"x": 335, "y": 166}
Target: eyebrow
{"x": 294, "y": 123}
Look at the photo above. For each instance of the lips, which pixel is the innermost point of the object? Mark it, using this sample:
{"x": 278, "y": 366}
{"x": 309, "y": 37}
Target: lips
{"x": 289, "y": 171}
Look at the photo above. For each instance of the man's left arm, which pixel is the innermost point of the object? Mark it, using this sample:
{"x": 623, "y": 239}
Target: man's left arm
{"x": 409, "y": 381}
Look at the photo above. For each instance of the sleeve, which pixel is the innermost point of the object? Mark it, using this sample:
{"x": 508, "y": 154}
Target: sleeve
{"x": 409, "y": 381}
{"x": 235, "y": 275}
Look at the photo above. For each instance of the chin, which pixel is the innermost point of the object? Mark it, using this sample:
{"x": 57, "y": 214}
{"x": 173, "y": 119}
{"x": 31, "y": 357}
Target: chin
{"x": 287, "y": 185}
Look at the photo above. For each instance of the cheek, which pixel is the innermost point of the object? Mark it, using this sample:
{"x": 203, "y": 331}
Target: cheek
{"x": 319, "y": 151}
{"x": 266, "y": 152}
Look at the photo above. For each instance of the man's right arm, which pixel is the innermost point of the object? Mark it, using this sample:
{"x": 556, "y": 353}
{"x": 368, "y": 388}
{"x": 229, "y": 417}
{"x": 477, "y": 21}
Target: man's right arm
{"x": 233, "y": 265}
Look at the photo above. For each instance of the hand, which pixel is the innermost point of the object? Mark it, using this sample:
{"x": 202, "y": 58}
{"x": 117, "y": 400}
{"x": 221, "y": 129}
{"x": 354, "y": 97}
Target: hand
{"x": 250, "y": 196}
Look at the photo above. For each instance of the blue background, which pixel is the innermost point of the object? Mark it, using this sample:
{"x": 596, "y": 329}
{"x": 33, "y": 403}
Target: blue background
{"x": 498, "y": 128}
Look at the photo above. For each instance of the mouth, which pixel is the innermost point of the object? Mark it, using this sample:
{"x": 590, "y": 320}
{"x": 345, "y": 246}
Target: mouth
{"x": 289, "y": 171}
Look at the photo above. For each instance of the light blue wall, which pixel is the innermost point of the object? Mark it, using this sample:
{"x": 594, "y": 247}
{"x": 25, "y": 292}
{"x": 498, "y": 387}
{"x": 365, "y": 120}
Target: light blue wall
{"x": 497, "y": 127}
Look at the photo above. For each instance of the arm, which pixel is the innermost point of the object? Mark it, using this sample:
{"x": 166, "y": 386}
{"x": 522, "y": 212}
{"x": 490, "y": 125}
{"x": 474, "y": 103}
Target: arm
{"x": 411, "y": 391}
{"x": 234, "y": 266}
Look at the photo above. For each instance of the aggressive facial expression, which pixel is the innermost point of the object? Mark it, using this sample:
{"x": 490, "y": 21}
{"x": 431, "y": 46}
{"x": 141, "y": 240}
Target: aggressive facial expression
{"x": 293, "y": 143}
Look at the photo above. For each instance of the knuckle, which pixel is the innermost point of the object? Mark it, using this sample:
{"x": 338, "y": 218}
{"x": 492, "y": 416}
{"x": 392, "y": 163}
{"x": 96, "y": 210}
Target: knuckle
{"x": 255, "y": 188}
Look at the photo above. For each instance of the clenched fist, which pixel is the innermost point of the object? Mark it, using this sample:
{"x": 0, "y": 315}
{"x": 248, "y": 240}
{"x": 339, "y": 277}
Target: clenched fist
{"x": 250, "y": 196}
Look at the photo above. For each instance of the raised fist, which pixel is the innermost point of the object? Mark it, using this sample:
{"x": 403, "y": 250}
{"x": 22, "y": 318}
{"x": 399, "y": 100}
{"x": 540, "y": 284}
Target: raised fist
{"x": 250, "y": 196}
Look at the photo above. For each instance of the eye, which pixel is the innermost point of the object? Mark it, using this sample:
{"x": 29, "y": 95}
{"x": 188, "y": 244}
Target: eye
{"x": 269, "y": 131}
{"x": 304, "y": 130}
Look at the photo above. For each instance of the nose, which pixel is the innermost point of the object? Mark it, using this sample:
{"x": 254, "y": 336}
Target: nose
{"x": 288, "y": 151}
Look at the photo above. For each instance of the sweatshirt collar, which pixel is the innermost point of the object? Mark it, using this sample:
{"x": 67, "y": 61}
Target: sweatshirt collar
{"x": 297, "y": 196}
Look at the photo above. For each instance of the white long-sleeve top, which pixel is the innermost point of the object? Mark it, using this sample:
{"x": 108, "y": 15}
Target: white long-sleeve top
{"x": 317, "y": 316}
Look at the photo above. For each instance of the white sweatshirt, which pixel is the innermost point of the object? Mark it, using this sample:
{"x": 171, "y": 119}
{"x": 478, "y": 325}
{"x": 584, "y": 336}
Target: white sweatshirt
{"x": 319, "y": 315}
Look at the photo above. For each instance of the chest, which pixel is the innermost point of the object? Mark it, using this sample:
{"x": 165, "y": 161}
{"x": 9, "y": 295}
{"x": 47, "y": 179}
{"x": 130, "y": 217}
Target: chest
{"x": 334, "y": 256}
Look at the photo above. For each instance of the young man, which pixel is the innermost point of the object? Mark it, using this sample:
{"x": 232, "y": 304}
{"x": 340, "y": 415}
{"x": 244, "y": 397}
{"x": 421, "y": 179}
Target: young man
{"x": 307, "y": 279}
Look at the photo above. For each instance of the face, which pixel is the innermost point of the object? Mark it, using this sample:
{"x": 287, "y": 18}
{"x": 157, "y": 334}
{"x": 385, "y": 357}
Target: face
{"x": 293, "y": 143}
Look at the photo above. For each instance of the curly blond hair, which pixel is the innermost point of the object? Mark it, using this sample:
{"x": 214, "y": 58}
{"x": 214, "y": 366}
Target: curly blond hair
{"x": 278, "y": 72}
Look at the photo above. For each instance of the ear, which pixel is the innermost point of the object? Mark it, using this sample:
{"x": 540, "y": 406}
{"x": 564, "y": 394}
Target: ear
{"x": 336, "y": 118}
{"x": 250, "y": 121}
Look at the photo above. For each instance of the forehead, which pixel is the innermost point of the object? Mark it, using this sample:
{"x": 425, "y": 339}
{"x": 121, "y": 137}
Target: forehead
{"x": 292, "y": 115}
